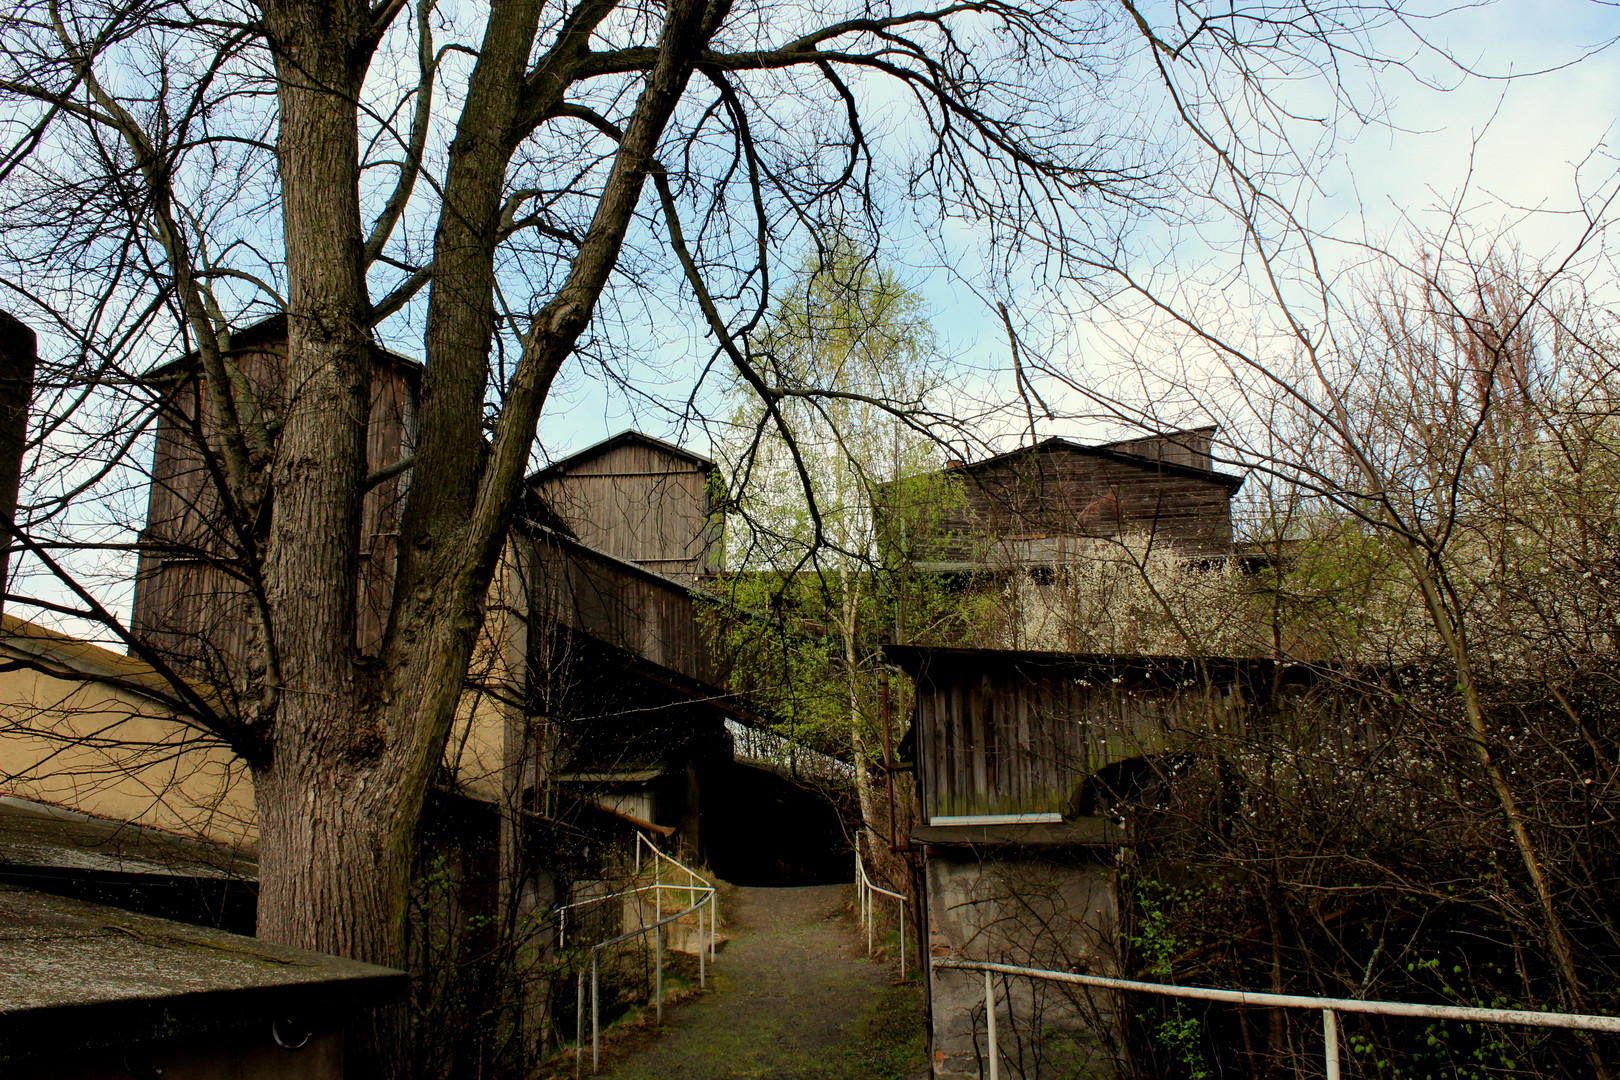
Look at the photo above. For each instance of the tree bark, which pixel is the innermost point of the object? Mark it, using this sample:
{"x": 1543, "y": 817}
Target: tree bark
{"x": 355, "y": 744}
{"x": 317, "y": 818}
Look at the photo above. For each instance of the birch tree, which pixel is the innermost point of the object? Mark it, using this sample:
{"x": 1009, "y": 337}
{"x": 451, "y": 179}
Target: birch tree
{"x": 805, "y": 522}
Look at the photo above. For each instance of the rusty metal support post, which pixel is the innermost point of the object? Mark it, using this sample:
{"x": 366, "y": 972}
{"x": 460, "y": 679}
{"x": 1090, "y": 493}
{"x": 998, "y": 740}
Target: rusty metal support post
{"x": 596, "y": 1019}
{"x": 888, "y": 751}
{"x": 579, "y": 1023}
{"x": 658, "y": 984}
{"x": 703, "y": 974}
{"x": 1330, "y": 1042}
{"x": 902, "y": 936}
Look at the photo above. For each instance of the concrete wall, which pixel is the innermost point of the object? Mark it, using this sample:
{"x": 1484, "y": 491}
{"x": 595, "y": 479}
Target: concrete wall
{"x": 236, "y": 1055}
{"x": 1019, "y": 908}
{"x": 111, "y": 751}
{"x": 77, "y": 731}
{"x": 489, "y": 748}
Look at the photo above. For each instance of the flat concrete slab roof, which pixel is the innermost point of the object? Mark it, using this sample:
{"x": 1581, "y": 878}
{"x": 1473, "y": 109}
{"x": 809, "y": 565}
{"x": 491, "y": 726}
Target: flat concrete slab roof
{"x": 85, "y": 975}
{"x": 34, "y": 834}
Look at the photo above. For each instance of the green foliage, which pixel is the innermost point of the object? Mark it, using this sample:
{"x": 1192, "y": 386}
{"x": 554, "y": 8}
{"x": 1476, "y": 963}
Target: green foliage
{"x": 1183, "y": 1036}
{"x": 827, "y": 495}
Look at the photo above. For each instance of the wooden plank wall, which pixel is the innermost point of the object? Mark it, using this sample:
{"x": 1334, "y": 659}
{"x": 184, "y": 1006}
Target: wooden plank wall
{"x": 1006, "y": 740}
{"x": 639, "y": 502}
{"x": 1069, "y": 492}
{"x": 192, "y": 591}
{"x": 1191, "y": 448}
{"x": 646, "y": 615}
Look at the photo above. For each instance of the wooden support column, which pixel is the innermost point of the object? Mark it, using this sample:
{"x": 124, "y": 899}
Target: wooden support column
{"x": 18, "y": 356}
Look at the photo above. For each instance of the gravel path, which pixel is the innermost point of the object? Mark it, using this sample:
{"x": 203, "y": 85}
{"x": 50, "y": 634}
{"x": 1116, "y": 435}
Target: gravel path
{"x": 793, "y": 997}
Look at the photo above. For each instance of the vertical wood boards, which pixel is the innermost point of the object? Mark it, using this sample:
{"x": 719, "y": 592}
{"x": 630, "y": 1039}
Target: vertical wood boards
{"x": 618, "y": 604}
{"x": 1018, "y": 733}
{"x": 1059, "y": 489}
{"x": 193, "y": 586}
{"x": 638, "y": 500}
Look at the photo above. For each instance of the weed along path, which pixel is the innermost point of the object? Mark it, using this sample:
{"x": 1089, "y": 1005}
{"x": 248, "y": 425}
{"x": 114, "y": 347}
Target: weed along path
{"x": 792, "y": 997}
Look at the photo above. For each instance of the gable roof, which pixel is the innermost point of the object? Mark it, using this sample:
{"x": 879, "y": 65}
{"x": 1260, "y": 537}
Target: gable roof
{"x": 1108, "y": 451}
{"x": 623, "y": 438}
{"x": 270, "y": 329}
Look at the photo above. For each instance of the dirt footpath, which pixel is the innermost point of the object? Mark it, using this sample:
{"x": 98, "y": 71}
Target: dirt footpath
{"x": 792, "y": 997}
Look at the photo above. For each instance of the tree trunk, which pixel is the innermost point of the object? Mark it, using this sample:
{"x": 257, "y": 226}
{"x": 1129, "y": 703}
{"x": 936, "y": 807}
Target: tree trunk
{"x": 849, "y": 604}
{"x": 341, "y": 784}
{"x": 333, "y": 864}
{"x": 312, "y": 790}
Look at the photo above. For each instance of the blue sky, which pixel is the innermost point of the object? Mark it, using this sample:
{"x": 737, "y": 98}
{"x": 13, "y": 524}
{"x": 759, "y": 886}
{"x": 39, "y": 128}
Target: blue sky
{"x": 1524, "y": 149}
{"x": 1512, "y": 153}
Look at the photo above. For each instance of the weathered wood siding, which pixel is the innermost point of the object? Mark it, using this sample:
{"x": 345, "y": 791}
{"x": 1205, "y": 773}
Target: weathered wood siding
{"x": 639, "y": 502}
{"x": 1018, "y": 733}
{"x": 650, "y": 616}
{"x": 1057, "y": 489}
{"x": 1190, "y": 448}
{"x": 192, "y": 585}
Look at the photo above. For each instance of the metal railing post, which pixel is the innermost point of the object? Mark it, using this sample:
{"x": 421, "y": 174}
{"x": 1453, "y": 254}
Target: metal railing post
{"x": 714, "y": 918}
{"x": 860, "y": 892}
{"x": 579, "y": 1023}
{"x": 596, "y": 1020}
{"x": 703, "y": 975}
{"x": 658, "y": 986}
{"x": 902, "y": 939}
{"x": 990, "y": 1020}
{"x": 1330, "y": 1043}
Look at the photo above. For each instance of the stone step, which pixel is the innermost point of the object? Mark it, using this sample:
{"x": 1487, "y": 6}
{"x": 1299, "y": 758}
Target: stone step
{"x": 684, "y": 940}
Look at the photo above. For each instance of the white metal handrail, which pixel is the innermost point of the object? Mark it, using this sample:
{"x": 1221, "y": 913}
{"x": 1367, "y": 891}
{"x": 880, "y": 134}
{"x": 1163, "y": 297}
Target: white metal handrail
{"x": 1330, "y": 1007}
{"x": 561, "y": 913}
{"x": 656, "y": 928}
{"x": 695, "y": 884}
{"x": 864, "y": 890}
{"x": 695, "y": 880}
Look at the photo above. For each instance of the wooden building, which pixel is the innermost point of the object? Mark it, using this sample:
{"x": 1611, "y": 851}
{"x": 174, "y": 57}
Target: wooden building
{"x": 1005, "y": 737}
{"x": 591, "y": 617}
{"x": 1040, "y": 503}
{"x": 192, "y": 582}
{"x": 628, "y": 606}
{"x": 1035, "y": 773}
{"x": 640, "y": 499}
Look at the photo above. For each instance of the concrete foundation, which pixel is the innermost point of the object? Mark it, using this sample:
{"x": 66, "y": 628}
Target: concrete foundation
{"x": 1016, "y": 908}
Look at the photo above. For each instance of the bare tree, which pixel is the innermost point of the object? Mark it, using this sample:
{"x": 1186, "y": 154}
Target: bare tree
{"x": 1429, "y": 451}
{"x": 173, "y": 169}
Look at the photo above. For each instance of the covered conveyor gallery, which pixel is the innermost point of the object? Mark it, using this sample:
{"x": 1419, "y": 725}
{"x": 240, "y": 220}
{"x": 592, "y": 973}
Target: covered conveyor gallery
{"x": 767, "y": 828}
